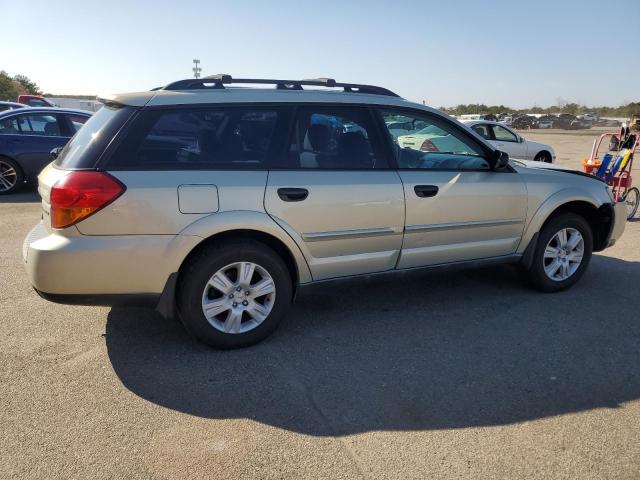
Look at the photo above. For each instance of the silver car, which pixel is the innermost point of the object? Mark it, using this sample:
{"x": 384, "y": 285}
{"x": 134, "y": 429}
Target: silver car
{"x": 217, "y": 203}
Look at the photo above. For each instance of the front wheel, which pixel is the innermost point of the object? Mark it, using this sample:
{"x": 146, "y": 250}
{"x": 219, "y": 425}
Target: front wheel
{"x": 234, "y": 294}
{"x": 631, "y": 199}
{"x": 562, "y": 253}
{"x": 543, "y": 157}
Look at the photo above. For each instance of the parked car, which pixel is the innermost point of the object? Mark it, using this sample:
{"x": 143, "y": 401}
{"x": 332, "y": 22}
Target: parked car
{"x": 254, "y": 201}
{"x": 506, "y": 140}
{"x": 10, "y": 106}
{"x": 524, "y": 122}
{"x": 27, "y": 136}
{"x": 35, "y": 101}
{"x": 505, "y": 120}
{"x": 547, "y": 121}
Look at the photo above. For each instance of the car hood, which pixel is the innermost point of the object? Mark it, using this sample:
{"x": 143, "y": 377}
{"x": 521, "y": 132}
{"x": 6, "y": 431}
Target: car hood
{"x": 523, "y": 165}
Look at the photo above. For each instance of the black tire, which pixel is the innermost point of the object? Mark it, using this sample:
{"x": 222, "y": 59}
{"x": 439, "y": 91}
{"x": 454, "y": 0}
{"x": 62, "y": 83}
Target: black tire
{"x": 196, "y": 274}
{"x": 543, "y": 157}
{"x": 633, "y": 197}
{"x": 17, "y": 179}
{"x": 536, "y": 275}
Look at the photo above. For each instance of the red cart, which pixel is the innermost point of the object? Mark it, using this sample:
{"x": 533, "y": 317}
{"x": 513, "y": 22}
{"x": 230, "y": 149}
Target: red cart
{"x": 616, "y": 165}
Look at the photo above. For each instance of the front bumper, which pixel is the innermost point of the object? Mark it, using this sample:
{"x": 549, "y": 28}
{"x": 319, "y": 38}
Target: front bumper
{"x": 100, "y": 270}
{"x": 618, "y": 222}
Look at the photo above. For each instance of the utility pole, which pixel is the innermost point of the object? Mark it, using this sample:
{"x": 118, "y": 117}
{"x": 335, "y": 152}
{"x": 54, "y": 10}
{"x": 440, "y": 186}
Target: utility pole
{"x": 196, "y": 69}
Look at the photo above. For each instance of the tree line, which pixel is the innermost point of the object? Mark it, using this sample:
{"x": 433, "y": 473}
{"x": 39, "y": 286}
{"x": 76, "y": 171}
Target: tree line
{"x": 11, "y": 87}
{"x": 572, "y": 108}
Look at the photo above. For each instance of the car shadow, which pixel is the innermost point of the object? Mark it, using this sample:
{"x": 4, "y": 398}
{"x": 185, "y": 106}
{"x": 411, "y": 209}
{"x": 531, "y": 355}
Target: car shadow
{"x": 28, "y": 194}
{"x": 452, "y": 350}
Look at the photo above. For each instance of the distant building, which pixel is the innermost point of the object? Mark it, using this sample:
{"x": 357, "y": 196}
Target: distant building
{"x": 91, "y": 105}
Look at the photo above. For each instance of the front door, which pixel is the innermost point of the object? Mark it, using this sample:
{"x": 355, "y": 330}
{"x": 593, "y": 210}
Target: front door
{"x": 457, "y": 209}
{"x": 335, "y": 195}
{"x": 507, "y": 141}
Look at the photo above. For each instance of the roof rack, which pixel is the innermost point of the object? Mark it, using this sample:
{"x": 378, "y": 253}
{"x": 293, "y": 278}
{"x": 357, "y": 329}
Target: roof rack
{"x": 220, "y": 80}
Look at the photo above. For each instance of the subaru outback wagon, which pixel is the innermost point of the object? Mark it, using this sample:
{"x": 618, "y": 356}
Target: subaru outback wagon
{"x": 216, "y": 203}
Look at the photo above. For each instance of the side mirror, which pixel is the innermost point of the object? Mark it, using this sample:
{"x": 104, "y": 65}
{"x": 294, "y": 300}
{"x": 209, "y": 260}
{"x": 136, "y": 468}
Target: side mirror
{"x": 520, "y": 139}
{"x": 55, "y": 152}
{"x": 500, "y": 160}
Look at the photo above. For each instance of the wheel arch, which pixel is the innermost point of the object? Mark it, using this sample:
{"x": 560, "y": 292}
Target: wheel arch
{"x": 9, "y": 157}
{"x": 599, "y": 218}
{"x": 541, "y": 151}
{"x": 250, "y": 225}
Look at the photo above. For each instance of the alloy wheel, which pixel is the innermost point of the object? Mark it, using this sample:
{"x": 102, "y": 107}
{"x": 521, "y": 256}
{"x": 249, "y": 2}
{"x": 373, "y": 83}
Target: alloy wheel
{"x": 238, "y": 297}
{"x": 8, "y": 176}
{"x": 563, "y": 254}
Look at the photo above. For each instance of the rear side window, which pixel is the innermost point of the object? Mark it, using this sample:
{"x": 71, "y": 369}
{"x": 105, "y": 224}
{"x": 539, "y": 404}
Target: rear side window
{"x": 483, "y": 130}
{"x": 199, "y": 138}
{"x": 334, "y": 138}
{"x": 77, "y": 121}
{"x": 36, "y": 102}
{"x": 87, "y": 145}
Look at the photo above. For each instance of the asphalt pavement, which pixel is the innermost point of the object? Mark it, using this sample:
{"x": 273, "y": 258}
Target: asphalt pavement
{"x": 459, "y": 375}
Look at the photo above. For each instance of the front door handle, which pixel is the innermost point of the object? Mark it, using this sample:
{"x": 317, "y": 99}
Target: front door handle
{"x": 293, "y": 194}
{"x": 426, "y": 190}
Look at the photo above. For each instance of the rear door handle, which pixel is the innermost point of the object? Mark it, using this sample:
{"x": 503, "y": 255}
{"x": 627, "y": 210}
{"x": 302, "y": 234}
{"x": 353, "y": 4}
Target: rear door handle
{"x": 426, "y": 190}
{"x": 293, "y": 194}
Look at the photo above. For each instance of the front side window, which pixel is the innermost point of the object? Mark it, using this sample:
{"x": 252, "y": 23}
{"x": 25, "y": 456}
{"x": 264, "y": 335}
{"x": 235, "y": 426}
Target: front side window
{"x": 503, "y": 134}
{"x": 425, "y": 142}
{"x": 335, "y": 138}
{"x": 39, "y": 124}
{"x": 198, "y": 139}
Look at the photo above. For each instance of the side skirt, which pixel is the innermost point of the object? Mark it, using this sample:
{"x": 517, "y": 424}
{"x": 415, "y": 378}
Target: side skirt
{"x": 440, "y": 268}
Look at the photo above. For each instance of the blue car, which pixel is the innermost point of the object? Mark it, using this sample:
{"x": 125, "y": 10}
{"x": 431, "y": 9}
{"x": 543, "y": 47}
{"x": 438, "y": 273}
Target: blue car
{"x": 27, "y": 137}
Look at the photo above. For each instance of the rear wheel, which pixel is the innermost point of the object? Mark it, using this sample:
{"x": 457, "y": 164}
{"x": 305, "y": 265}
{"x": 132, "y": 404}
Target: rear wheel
{"x": 562, "y": 253}
{"x": 631, "y": 198}
{"x": 11, "y": 176}
{"x": 543, "y": 157}
{"x": 234, "y": 294}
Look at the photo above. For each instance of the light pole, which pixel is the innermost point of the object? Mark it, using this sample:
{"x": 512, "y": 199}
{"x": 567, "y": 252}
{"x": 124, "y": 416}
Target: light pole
{"x": 196, "y": 69}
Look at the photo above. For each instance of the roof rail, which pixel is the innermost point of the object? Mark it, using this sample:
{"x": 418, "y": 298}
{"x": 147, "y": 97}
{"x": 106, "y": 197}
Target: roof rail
{"x": 220, "y": 80}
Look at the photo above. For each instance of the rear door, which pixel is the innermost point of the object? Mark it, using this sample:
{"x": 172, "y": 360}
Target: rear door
{"x": 40, "y": 133}
{"x": 334, "y": 193}
{"x": 457, "y": 209}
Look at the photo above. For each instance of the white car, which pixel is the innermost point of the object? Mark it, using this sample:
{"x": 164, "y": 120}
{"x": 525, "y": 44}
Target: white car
{"x": 506, "y": 140}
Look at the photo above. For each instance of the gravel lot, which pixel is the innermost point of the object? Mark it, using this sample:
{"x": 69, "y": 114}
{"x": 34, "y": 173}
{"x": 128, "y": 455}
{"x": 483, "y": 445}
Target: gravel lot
{"x": 465, "y": 375}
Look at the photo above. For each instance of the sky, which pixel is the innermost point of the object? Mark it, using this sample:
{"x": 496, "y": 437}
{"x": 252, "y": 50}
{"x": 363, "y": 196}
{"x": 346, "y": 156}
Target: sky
{"x": 517, "y": 53}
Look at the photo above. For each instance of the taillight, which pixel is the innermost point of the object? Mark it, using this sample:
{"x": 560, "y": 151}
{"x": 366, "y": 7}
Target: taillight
{"x": 427, "y": 146}
{"x": 80, "y": 194}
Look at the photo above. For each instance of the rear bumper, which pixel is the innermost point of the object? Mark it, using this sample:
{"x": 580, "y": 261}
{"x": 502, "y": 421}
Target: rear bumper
{"x": 102, "y": 270}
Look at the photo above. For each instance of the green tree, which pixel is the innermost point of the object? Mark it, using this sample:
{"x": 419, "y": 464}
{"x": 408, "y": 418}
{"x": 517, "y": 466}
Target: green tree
{"x": 8, "y": 89}
{"x": 29, "y": 86}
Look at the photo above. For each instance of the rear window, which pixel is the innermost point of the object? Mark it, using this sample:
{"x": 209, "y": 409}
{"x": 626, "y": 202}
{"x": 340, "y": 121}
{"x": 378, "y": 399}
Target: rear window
{"x": 198, "y": 138}
{"x": 86, "y": 146}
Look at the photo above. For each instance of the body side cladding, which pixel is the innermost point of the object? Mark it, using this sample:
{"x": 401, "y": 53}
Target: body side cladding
{"x": 557, "y": 201}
